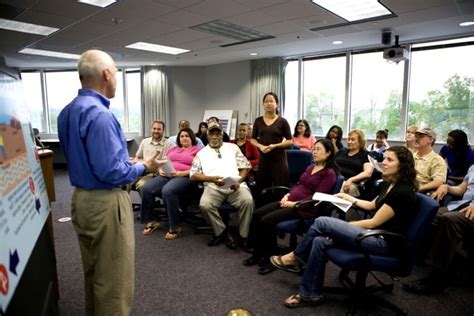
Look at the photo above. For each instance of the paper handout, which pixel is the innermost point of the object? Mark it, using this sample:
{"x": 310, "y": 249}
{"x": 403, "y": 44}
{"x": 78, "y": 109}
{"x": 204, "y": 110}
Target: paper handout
{"x": 167, "y": 167}
{"x": 340, "y": 203}
{"x": 374, "y": 163}
{"x": 229, "y": 181}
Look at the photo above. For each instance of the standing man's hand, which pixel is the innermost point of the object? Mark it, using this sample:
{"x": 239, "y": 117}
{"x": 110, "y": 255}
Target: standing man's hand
{"x": 152, "y": 164}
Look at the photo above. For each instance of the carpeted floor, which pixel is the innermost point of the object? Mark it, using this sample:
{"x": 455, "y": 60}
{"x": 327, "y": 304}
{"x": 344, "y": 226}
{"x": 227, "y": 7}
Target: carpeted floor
{"x": 186, "y": 277}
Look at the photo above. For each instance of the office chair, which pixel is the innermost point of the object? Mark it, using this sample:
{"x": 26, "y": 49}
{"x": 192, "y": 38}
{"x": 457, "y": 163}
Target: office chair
{"x": 298, "y": 161}
{"x": 296, "y": 227}
{"x": 396, "y": 266}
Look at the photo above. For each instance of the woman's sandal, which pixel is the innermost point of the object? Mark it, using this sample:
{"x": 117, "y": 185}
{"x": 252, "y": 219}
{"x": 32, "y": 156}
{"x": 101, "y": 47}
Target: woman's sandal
{"x": 299, "y": 301}
{"x": 173, "y": 234}
{"x": 151, "y": 227}
{"x": 277, "y": 262}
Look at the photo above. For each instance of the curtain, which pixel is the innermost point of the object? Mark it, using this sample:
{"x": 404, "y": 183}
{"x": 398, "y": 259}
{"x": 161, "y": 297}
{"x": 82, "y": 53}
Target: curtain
{"x": 155, "y": 99}
{"x": 266, "y": 75}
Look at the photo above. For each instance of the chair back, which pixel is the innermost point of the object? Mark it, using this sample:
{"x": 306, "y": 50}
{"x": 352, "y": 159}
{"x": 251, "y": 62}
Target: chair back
{"x": 426, "y": 211}
{"x": 338, "y": 185}
{"x": 298, "y": 161}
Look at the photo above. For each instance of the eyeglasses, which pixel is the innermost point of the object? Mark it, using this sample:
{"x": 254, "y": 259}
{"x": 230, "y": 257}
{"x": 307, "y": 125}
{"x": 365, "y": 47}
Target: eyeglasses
{"x": 218, "y": 153}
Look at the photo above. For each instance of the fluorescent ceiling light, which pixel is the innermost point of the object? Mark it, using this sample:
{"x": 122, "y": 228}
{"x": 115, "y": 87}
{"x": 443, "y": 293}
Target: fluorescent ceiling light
{"x": 253, "y": 54}
{"x": 157, "y": 48}
{"x": 229, "y": 30}
{"x": 337, "y": 42}
{"x": 98, "y": 3}
{"x": 26, "y": 27}
{"x": 467, "y": 23}
{"x": 354, "y": 10}
{"x": 445, "y": 42}
{"x": 48, "y": 53}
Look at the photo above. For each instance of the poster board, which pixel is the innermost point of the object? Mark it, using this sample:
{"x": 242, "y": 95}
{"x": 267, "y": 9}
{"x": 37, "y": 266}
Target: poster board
{"x": 24, "y": 204}
{"x": 225, "y": 119}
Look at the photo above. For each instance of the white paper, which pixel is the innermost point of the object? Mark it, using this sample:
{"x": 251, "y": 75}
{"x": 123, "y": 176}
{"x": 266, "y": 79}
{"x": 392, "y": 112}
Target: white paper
{"x": 340, "y": 203}
{"x": 377, "y": 165}
{"x": 229, "y": 181}
{"x": 167, "y": 167}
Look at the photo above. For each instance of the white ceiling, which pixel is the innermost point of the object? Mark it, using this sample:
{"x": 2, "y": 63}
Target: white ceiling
{"x": 167, "y": 22}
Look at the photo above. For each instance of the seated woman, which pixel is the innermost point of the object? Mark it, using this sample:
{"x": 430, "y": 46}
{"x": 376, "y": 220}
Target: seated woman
{"x": 377, "y": 149}
{"x": 459, "y": 156}
{"x": 354, "y": 163}
{"x": 246, "y": 147}
{"x": 395, "y": 207}
{"x": 410, "y": 137}
{"x": 302, "y": 136}
{"x": 335, "y": 135}
{"x": 318, "y": 177}
{"x": 202, "y": 129}
{"x": 169, "y": 187}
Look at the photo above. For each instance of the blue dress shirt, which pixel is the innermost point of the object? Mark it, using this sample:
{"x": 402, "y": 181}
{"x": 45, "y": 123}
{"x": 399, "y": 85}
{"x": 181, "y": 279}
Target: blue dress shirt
{"x": 94, "y": 145}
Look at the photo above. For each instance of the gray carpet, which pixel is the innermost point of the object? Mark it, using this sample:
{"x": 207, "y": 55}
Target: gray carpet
{"x": 186, "y": 277}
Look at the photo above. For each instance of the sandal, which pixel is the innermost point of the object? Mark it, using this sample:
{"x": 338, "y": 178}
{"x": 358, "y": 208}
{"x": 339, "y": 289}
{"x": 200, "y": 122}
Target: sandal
{"x": 277, "y": 262}
{"x": 173, "y": 233}
{"x": 300, "y": 301}
{"x": 151, "y": 227}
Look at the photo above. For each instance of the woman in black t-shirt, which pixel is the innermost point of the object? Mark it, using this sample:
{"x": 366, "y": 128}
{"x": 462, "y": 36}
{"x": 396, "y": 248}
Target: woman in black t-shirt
{"x": 395, "y": 208}
{"x": 354, "y": 162}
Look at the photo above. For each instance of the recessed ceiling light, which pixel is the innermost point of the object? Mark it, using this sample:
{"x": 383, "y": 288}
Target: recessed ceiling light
{"x": 26, "y": 27}
{"x": 467, "y": 23}
{"x": 98, "y": 3}
{"x": 253, "y": 54}
{"x": 158, "y": 48}
{"x": 355, "y": 10}
{"x": 337, "y": 42}
{"x": 48, "y": 53}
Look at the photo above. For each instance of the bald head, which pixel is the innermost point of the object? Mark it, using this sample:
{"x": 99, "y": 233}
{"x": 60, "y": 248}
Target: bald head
{"x": 97, "y": 71}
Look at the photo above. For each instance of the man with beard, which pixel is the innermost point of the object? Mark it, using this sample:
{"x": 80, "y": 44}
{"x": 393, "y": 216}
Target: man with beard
{"x": 148, "y": 147}
{"x": 214, "y": 165}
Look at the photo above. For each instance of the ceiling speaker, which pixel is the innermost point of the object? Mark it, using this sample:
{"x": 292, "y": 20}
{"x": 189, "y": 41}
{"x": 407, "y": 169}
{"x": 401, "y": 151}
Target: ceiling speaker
{"x": 387, "y": 38}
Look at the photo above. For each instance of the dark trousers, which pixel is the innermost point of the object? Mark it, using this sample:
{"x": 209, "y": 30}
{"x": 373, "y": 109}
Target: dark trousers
{"x": 263, "y": 233}
{"x": 450, "y": 229}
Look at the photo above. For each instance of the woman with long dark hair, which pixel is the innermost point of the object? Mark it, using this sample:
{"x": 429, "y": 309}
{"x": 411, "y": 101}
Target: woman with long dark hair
{"x": 458, "y": 154}
{"x": 394, "y": 208}
{"x": 202, "y": 129}
{"x": 302, "y": 136}
{"x": 335, "y": 135}
{"x": 318, "y": 177}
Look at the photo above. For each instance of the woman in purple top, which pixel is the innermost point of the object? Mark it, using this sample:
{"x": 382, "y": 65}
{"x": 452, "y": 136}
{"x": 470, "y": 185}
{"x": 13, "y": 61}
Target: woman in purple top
{"x": 169, "y": 186}
{"x": 318, "y": 177}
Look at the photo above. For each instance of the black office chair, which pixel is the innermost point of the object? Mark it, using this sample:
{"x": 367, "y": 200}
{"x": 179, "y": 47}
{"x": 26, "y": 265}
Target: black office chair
{"x": 298, "y": 161}
{"x": 396, "y": 266}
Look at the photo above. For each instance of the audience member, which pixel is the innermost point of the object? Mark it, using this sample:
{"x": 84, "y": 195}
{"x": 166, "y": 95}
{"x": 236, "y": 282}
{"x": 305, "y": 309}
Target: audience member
{"x": 169, "y": 186}
{"x": 246, "y": 147}
{"x": 318, "y": 177}
{"x": 450, "y": 228}
{"x": 225, "y": 136}
{"x": 377, "y": 149}
{"x": 302, "y": 136}
{"x": 394, "y": 206}
{"x": 335, "y": 135}
{"x": 148, "y": 147}
{"x": 271, "y": 134}
{"x": 410, "y": 137}
{"x": 215, "y": 165}
{"x": 458, "y": 155}
{"x": 96, "y": 154}
{"x": 354, "y": 163}
{"x": 430, "y": 167}
{"x": 182, "y": 125}
{"x": 202, "y": 130}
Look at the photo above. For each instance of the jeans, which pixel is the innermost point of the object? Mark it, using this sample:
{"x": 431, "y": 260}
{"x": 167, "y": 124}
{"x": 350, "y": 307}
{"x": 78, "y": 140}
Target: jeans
{"x": 312, "y": 250}
{"x": 169, "y": 190}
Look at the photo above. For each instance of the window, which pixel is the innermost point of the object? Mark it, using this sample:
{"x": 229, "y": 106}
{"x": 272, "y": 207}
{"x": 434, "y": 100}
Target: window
{"x": 376, "y": 99}
{"x": 441, "y": 90}
{"x": 291, "y": 93}
{"x": 117, "y": 105}
{"x": 134, "y": 100}
{"x": 324, "y": 91}
{"x": 34, "y": 99}
{"x": 61, "y": 88}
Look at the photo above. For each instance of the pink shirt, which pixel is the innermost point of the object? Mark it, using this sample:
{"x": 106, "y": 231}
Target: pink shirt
{"x": 182, "y": 158}
{"x": 306, "y": 143}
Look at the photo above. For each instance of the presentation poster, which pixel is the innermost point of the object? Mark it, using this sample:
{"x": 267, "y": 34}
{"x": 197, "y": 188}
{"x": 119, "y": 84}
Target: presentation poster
{"x": 24, "y": 205}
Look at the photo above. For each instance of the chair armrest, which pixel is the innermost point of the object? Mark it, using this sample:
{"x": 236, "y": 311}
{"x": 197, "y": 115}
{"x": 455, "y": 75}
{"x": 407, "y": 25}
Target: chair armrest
{"x": 304, "y": 204}
{"x": 382, "y": 233}
{"x": 275, "y": 188}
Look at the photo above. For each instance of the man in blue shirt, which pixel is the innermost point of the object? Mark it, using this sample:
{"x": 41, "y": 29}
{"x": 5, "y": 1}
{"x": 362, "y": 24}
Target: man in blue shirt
{"x": 96, "y": 153}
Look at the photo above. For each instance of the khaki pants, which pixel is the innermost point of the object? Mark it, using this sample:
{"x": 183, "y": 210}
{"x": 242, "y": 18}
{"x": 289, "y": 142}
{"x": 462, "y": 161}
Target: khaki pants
{"x": 103, "y": 221}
